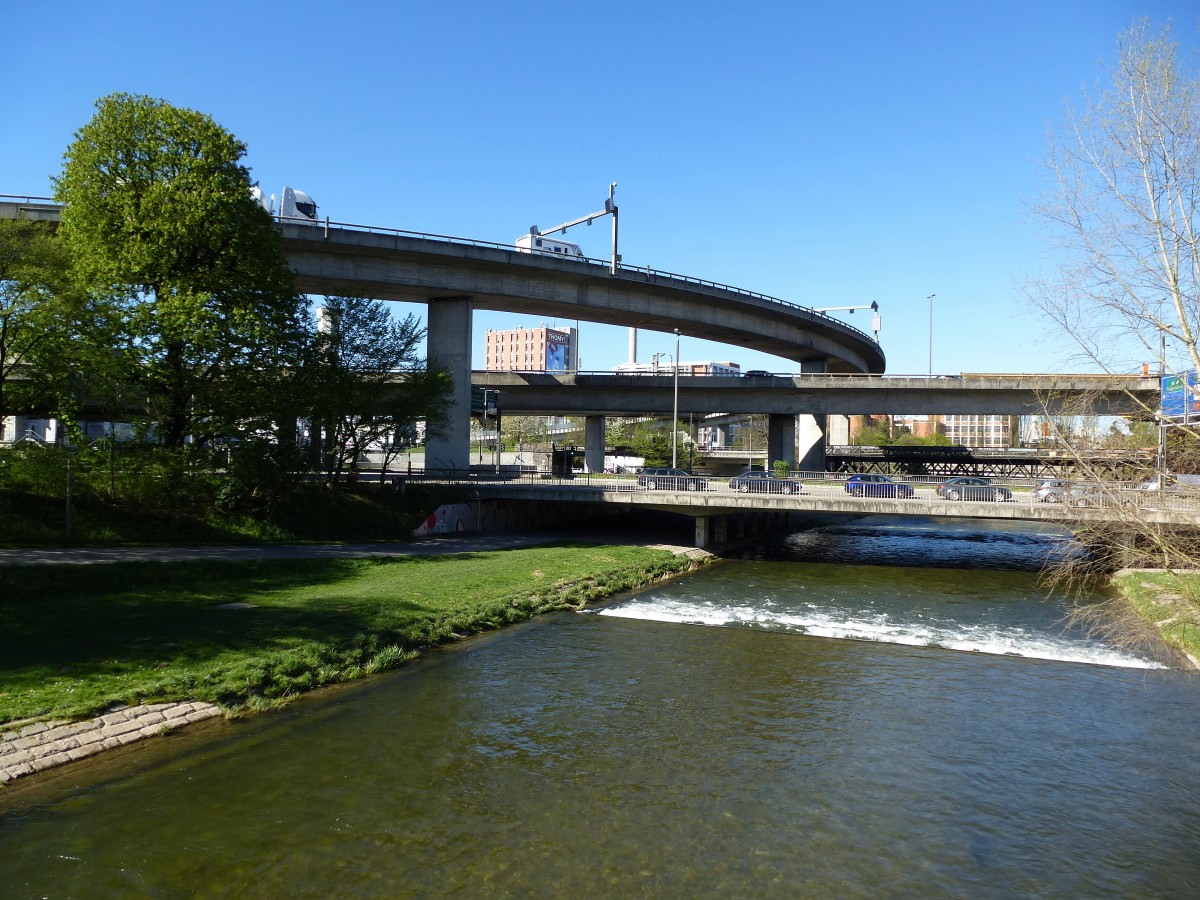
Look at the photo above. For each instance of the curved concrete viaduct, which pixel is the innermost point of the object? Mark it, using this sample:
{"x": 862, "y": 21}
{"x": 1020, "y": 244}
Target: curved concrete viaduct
{"x": 453, "y": 276}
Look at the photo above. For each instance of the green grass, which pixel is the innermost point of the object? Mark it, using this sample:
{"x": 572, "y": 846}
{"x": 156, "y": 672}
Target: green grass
{"x": 1168, "y": 600}
{"x": 77, "y": 639}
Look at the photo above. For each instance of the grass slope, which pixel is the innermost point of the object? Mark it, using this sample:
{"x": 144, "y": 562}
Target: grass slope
{"x": 75, "y": 640}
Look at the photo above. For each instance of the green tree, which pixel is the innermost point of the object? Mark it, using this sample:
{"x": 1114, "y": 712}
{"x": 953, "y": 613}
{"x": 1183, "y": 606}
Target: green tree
{"x": 160, "y": 222}
{"x": 521, "y": 430}
{"x": 37, "y": 311}
{"x": 651, "y": 442}
{"x": 753, "y": 434}
{"x": 367, "y": 384}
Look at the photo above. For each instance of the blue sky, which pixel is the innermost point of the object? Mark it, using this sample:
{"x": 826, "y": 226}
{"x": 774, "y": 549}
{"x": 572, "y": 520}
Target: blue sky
{"x": 826, "y": 154}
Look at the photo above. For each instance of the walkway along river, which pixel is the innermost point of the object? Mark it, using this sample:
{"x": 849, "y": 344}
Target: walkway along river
{"x": 715, "y": 736}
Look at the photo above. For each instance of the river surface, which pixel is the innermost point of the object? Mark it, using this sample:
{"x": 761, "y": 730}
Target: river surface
{"x": 859, "y": 711}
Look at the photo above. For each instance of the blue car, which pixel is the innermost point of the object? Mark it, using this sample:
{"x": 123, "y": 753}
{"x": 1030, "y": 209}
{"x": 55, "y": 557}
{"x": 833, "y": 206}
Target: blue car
{"x": 878, "y": 486}
{"x": 763, "y": 482}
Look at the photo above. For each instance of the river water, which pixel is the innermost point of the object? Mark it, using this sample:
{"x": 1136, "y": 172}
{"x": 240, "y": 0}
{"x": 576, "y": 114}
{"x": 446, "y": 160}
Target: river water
{"x": 856, "y": 711}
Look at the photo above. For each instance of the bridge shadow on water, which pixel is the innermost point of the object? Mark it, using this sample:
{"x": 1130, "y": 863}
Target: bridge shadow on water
{"x": 922, "y": 543}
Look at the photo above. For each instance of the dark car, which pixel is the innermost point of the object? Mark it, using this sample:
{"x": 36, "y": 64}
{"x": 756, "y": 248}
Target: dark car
{"x": 878, "y": 486}
{"x": 656, "y": 479}
{"x": 968, "y": 487}
{"x": 756, "y": 373}
{"x": 763, "y": 482}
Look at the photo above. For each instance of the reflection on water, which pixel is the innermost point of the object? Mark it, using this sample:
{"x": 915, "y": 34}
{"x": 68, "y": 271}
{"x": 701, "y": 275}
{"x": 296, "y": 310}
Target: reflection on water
{"x": 593, "y": 755}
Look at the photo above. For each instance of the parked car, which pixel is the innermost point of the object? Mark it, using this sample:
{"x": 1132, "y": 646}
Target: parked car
{"x": 967, "y": 487}
{"x": 1052, "y": 490}
{"x": 878, "y": 486}
{"x": 1172, "y": 483}
{"x": 658, "y": 479}
{"x": 763, "y": 482}
{"x": 1108, "y": 495}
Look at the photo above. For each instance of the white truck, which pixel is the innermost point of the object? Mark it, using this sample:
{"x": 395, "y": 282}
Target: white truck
{"x": 548, "y": 246}
{"x": 295, "y": 205}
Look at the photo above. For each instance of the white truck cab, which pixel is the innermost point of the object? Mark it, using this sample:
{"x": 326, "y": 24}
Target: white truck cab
{"x": 295, "y": 205}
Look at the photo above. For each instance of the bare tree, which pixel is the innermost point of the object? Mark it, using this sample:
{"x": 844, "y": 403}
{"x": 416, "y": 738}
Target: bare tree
{"x": 1122, "y": 212}
{"x": 1126, "y": 182}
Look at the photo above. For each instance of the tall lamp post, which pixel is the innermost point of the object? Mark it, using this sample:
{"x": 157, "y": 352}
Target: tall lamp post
{"x": 675, "y": 410}
{"x": 930, "y": 299}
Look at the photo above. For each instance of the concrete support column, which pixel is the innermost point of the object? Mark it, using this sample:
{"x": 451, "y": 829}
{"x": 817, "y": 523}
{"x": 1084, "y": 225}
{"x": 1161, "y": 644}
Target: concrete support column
{"x": 593, "y": 444}
{"x": 722, "y": 436}
{"x": 837, "y": 430}
{"x": 449, "y": 349}
{"x": 781, "y": 440}
{"x": 812, "y": 443}
{"x": 812, "y": 439}
{"x": 703, "y": 530}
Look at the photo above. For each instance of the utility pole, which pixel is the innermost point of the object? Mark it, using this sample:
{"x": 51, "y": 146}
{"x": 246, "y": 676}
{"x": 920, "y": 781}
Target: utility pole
{"x": 675, "y": 410}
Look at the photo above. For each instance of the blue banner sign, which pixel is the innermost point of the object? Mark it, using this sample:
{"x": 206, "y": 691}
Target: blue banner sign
{"x": 1179, "y": 398}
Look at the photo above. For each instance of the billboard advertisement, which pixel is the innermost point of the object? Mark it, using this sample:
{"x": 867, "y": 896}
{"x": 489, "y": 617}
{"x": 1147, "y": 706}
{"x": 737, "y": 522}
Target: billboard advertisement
{"x": 1179, "y": 398}
{"x": 556, "y": 350}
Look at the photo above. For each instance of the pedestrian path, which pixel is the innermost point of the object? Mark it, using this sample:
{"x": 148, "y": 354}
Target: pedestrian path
{"x": 439, "y": 545}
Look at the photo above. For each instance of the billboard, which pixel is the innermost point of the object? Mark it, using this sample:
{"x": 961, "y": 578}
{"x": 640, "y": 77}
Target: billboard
{"x": 1179, "y": 398}
{"x": 557, "y": 343}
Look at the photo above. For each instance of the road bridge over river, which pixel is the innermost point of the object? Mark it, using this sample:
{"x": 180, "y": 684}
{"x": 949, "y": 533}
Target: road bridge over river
{"x": 718, "y": 507}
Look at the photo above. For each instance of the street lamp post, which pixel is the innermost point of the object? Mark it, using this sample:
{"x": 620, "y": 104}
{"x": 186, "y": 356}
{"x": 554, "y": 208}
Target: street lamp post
{"x": 1161, "y": 462}
{"x": 930, "y": 299}
{"x": 675, "y": 410}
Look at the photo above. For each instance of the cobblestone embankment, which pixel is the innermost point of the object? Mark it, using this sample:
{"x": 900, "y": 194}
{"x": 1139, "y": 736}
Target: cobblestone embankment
{"x": 44, "y": 745}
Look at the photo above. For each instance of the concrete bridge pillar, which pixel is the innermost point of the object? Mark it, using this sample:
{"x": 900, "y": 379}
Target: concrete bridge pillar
{"x": 449, "y": 348}
{"x": 812, "y": 443}
{"x": 593, "y": 444}
{"x": 781, "y": 440}
{"x": 837, "y": 430}
{"x": 811, "y": 429}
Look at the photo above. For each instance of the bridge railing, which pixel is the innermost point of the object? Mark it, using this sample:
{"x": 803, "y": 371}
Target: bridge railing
{"x": 646, "y": 271}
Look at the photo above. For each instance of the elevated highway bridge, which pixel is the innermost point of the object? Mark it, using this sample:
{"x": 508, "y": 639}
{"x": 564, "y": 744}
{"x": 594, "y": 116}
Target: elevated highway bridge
{"x": 453, "y": 276}
{"x": 840, "y": 367}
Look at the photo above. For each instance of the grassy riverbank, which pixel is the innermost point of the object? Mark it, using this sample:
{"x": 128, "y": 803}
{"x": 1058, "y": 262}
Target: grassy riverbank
{"x": 1168, "y": 601}
{"x": 75, "y": 640}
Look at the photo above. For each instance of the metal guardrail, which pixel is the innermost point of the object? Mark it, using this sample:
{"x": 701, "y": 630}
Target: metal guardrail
{"x": 1115, "y": 496}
